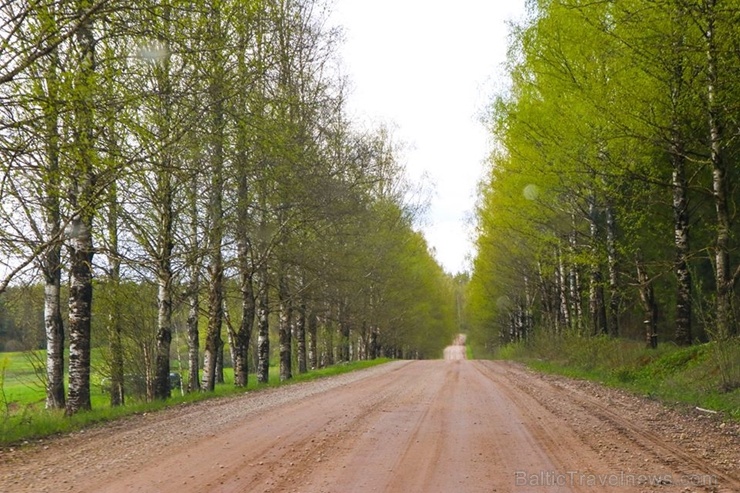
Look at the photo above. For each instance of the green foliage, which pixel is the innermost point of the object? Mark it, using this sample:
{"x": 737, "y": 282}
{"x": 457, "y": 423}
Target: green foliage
{"x": 607, "y": 103}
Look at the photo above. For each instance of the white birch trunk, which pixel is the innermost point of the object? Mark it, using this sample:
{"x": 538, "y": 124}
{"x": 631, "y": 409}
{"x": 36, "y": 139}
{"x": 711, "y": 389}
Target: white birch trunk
{"x": 613, "y": 266}
{"x": 263, "y": 337}
{"x": 193, "y": 298}
{"x": 80, "y": 308}
{"x": 284, "y": 329}
{"x": 726, "y": 325}
{"x": 215, "y": 209}
{"x": 562, "y": 283}
{"x": 80, "y": 231}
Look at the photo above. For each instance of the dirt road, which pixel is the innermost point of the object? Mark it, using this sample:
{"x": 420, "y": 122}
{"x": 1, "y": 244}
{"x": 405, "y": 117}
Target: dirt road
{"x": 457, "y": 350}
{"x": 425, "y": 426}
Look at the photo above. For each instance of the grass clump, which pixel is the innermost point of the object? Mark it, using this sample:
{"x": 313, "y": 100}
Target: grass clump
{"x": 703, "y": 375}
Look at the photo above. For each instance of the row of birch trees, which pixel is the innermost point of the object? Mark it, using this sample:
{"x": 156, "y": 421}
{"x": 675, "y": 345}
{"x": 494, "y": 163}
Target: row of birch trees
{"x": 176, "y": 165}
{"x": 610, "y": 204}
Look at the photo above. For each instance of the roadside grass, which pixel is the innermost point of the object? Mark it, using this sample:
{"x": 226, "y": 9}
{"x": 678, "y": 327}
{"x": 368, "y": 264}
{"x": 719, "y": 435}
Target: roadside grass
{"x": 24, "y": 419}
{"x": 703, "y": 375}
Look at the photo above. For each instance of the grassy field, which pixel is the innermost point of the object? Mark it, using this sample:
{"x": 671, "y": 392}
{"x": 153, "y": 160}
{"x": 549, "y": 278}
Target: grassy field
{"x": 22, "y": 395}
{"x": 22, "y": 381}
{"x": 704, "y": 375}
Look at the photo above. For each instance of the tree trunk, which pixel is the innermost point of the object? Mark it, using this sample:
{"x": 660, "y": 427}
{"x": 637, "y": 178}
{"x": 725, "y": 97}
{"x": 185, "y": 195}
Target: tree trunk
{"x": 547, "y": 297}
{"x": 679, "y": 184}
{"x": 80, "y": 231}
{"x": 300, "y": 333}
{"x": 682, "y": 334}
{"x": 230, "y": 336}
{"x": 344, "y": 333}
{"x": 220, "y": 361}
{"x": 193, "y": 292}
{"x": 80, "y": 308}
{"x": 615, "y": 298}
{"x": 164, "y": 331}
{"x": 574, "y": 284}
{"x": 165, "y": 236}
{"x": 244, "y": 334}
{"x": 51, "y": 259}
{"x": 215, "y": 208}
{"x": 117, "y": 388}
{"x": 724, "y": 280}
{"x": 597, "y": 307}
{"x": 328, "y": 343}
{"x": 246, "y": 272}
{"x": 596, "y": 303}
{"x": 562, "y": 282}
{"x": 54, "y": 332}
{"x": 313, "y": 355}
{"x": 263, "y": 337}
{"x": 373, "y": 349}
{"x": 284, "y": 330}
{"x": 244, "y": 166}
{"x": 215, "y": 320}
{"x": 647, "y": 296}
{"x": 528, "y": 302}
{"x": 164, "y": 285}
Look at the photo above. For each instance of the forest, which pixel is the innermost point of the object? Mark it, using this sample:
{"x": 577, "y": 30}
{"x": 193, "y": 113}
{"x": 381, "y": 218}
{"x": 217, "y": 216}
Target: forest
{"x": 610, "y": 204}
{"x": 182, "y": 180}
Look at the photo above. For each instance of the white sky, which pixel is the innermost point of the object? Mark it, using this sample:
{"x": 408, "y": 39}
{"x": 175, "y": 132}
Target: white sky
{"x": 429, "y": 67}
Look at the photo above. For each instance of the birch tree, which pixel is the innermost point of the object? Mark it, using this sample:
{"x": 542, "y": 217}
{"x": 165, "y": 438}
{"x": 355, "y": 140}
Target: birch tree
{"x": 215, "y": 77}
{"x": 48, "y": 83}
{"x": 717, "y": 21}
{"x": 82, "y": 200}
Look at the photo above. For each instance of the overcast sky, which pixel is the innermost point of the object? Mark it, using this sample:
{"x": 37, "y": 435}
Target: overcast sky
{"x": 429, "y": 68}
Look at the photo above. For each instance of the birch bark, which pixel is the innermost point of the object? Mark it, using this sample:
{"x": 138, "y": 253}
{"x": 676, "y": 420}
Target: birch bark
{"x": 723, "y": 277}
{"x": 313, "y": 355}
{"x": 650, "y": 308}
{"x": 216, "y": 136}
{"x": 80, "y": 230}
{"x": 165, "y": 227}
{"x": 193, "y": 298}
{"x": 615, "y": 299}
{"x": 51, "y": 260}
{"x": 284, "y": 329}
{"x": 597, "y": 308}
{"x": 263, "y": 337}
{"x": 300, "y": 330}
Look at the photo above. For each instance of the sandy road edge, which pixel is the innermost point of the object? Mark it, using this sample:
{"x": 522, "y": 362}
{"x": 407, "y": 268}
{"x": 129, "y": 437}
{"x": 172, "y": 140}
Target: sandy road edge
{"x": 635, "y": 431}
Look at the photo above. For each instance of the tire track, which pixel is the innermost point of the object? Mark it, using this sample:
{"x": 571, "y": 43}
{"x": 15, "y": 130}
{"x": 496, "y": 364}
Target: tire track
{"x": 685, "y": 471}
{"x": 564, "y": 447}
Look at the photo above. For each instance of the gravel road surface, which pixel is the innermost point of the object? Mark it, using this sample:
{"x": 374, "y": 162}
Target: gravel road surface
{"x": 423, "y": 426}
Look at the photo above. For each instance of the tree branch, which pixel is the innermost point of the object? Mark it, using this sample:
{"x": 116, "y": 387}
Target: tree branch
{"x": 84, "y": 18}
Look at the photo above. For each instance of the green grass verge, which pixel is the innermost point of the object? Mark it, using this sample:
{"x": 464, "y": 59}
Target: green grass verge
{"x": 704, "y": 375}
{"x": 23, "y": 419}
